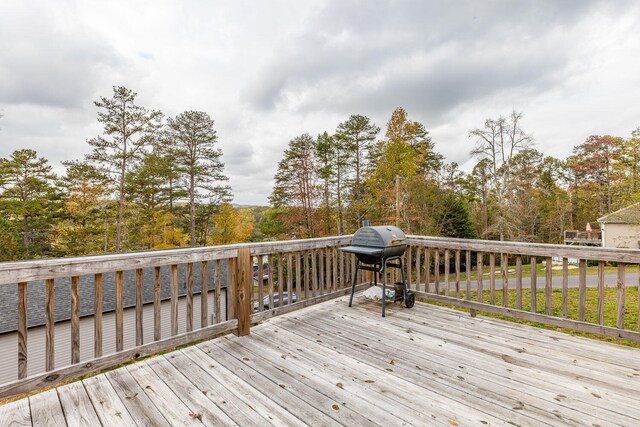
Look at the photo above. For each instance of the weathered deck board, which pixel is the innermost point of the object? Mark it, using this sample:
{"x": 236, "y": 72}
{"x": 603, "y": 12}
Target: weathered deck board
{"x": 106, "y": 402}
{"x": 333, "y": 365}
{"x": 46, "y": 410}
{"x": 15, "y": 414}
{"x": 76, "y": 405}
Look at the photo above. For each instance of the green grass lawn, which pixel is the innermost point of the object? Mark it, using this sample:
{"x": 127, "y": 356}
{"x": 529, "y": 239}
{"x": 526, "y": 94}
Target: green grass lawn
{"x": 541, "y": 271}
{"x": 591, "y": 308}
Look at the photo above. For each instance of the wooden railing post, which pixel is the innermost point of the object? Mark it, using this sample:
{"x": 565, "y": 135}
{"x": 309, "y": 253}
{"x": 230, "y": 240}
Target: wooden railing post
{"x": 242, "y": 290}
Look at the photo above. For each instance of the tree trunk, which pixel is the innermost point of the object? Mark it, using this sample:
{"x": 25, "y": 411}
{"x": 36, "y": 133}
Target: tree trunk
{"x": 192, "y": 210}
{"x": 120, "y": 202}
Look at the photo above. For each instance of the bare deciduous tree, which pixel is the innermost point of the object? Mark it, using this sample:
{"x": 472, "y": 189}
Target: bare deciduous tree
{"x": 499, "y": 141}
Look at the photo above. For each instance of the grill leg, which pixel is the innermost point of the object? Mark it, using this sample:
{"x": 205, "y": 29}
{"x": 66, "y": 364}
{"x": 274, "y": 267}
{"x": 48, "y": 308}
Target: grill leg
{"x": 405, "y": 291}
{"x": 384, "y": 284}
{"x": 353, "y": 282}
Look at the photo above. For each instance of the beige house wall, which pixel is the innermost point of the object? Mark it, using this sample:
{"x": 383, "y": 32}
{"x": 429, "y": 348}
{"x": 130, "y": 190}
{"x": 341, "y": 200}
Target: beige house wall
{"x": 620, "y": 235}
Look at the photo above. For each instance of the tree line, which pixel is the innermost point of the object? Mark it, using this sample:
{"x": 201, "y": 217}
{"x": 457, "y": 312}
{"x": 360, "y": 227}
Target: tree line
{"x": 147, "y": 183}
{"x": 152, "y": 182}
{"x": 329, "y": 183}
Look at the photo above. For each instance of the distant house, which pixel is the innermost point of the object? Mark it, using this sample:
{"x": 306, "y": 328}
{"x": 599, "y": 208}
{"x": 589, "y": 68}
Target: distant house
{"x": 621, "y": 229}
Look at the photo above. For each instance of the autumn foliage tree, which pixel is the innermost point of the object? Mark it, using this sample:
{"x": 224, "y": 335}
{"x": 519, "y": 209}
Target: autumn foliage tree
{"x": 296, "y": 185}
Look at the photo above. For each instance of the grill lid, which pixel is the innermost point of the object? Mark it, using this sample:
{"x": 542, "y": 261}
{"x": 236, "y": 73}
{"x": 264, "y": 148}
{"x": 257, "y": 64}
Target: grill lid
{"x": 378, "y": 237}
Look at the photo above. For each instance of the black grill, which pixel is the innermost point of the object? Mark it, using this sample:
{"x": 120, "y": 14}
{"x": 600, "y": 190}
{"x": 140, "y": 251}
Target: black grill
{"x": 374, "y": 248}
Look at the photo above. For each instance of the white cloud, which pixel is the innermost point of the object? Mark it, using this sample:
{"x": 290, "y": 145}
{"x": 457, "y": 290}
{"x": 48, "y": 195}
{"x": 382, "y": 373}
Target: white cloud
{"x": 269, "y": 71}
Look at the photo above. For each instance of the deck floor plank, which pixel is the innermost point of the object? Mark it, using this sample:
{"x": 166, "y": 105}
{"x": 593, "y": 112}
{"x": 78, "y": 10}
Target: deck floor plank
{"x": 271, "y": 388}
{"x": 238, "y": 409}
{"x": 76, "y": 405}
{"x": 167, "y": 402}
{"x": 428, "y": 399}
{"x": 209, "y": 413}
{"x": 612, "y": 391}
{"x": 46, "y": 410}
{"x": 301, "y": 386}
{"x": 140, "y": 407}
{"x": 332, "y": 365}
{"x": 296, "y": 367}
{"x": 260, "y": 402}
{"x": 106, "y": 402}
{"x": 468, "y": 369}
{"x": 15, "y": 414}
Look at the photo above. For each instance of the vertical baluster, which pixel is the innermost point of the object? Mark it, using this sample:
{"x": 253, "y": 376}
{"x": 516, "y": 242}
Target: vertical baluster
{"x": 472, "y": 312}
{"x": 157, "y": 305}
{"x": 638, "y": 314}
{"x": 217, "y": 304}
{"x": 600, "y": 292}
{"x": 260, "y": 283}
{"x": 189, "y": 273}
{"x": 139, "y": 319}
{"x": 427, "y": 270}
{"x": 270, "y": 279}
{"x": 582, "y": 289}
{"x": 457, "y": 267}
{"x": 408, "y": 267}
{"x": 534, "y": 284}
{"x": 75, "y": 320}
{"x": 334, "y": 282}
{"x": 447, "y": 266}
{"x": 327, "y": 270}
{"x": 232, "y": 289}
{"x": 49, "y": 302}
{"x": 289, "y": 278}
{"x": 519, "y": 282}
{"x": 620, "y": 302}
{"x": 548, "y": 289}
{"x": 342, "y": 276}
{"x": 504, "y": 265}
{"x": 436, "y": 270}
{"x": 305, "y": 256}
{"x": 479, "y": 283}
{"x": 565, "y": 285}
{"x": 492, "y": 278}
{"x": 174, "y": 299}
{"x": 468, "y": 276}
{"x": 298, "y": 284}
{"x": 417, "y": 267}
{"x": 314, "y": 272}
{"x": 204, "y": 294}
{"x": 321, "y": 283}
{"x": 22, "y": 330}
{"x": 119, "y": 313}
{"x": 280, "y": 278}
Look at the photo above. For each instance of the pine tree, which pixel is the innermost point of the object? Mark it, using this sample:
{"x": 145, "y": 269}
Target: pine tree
{"x": 198, "y": 161}
{"x": 30, "y": 200}
{"x": 127, "y": 130}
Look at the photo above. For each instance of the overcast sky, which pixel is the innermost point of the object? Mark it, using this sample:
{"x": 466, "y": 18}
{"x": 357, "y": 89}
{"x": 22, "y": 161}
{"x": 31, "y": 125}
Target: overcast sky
{"x": 267, "y": 71}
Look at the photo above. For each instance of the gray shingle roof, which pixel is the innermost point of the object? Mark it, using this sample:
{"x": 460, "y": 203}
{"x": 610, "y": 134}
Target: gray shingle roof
{"x": 628, "y": 215}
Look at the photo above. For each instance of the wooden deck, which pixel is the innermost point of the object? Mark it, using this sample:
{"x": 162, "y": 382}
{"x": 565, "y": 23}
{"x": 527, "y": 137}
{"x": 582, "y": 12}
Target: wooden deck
{"x": 333, "y": 365}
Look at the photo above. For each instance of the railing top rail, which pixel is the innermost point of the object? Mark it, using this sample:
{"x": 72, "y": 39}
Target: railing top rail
{"x": 25, "y": 271}
{"x": 630, "y": 256}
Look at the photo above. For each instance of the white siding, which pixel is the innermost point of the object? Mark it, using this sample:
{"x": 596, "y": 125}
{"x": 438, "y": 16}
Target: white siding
{"x": 36, "y": 335}
{"x": 621, "y": 236}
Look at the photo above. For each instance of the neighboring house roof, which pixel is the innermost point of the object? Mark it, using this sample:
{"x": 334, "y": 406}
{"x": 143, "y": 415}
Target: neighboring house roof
{"x": 628, "y": 215}
{"x": 62, "y": 294}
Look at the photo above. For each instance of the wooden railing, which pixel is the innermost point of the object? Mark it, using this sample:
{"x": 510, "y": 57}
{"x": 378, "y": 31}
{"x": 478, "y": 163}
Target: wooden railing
{"x": 304, "y": 271}
{"x": 579, "y": 236}
{"x": 489, "y": 276}
{"x": 267, "y": 279}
